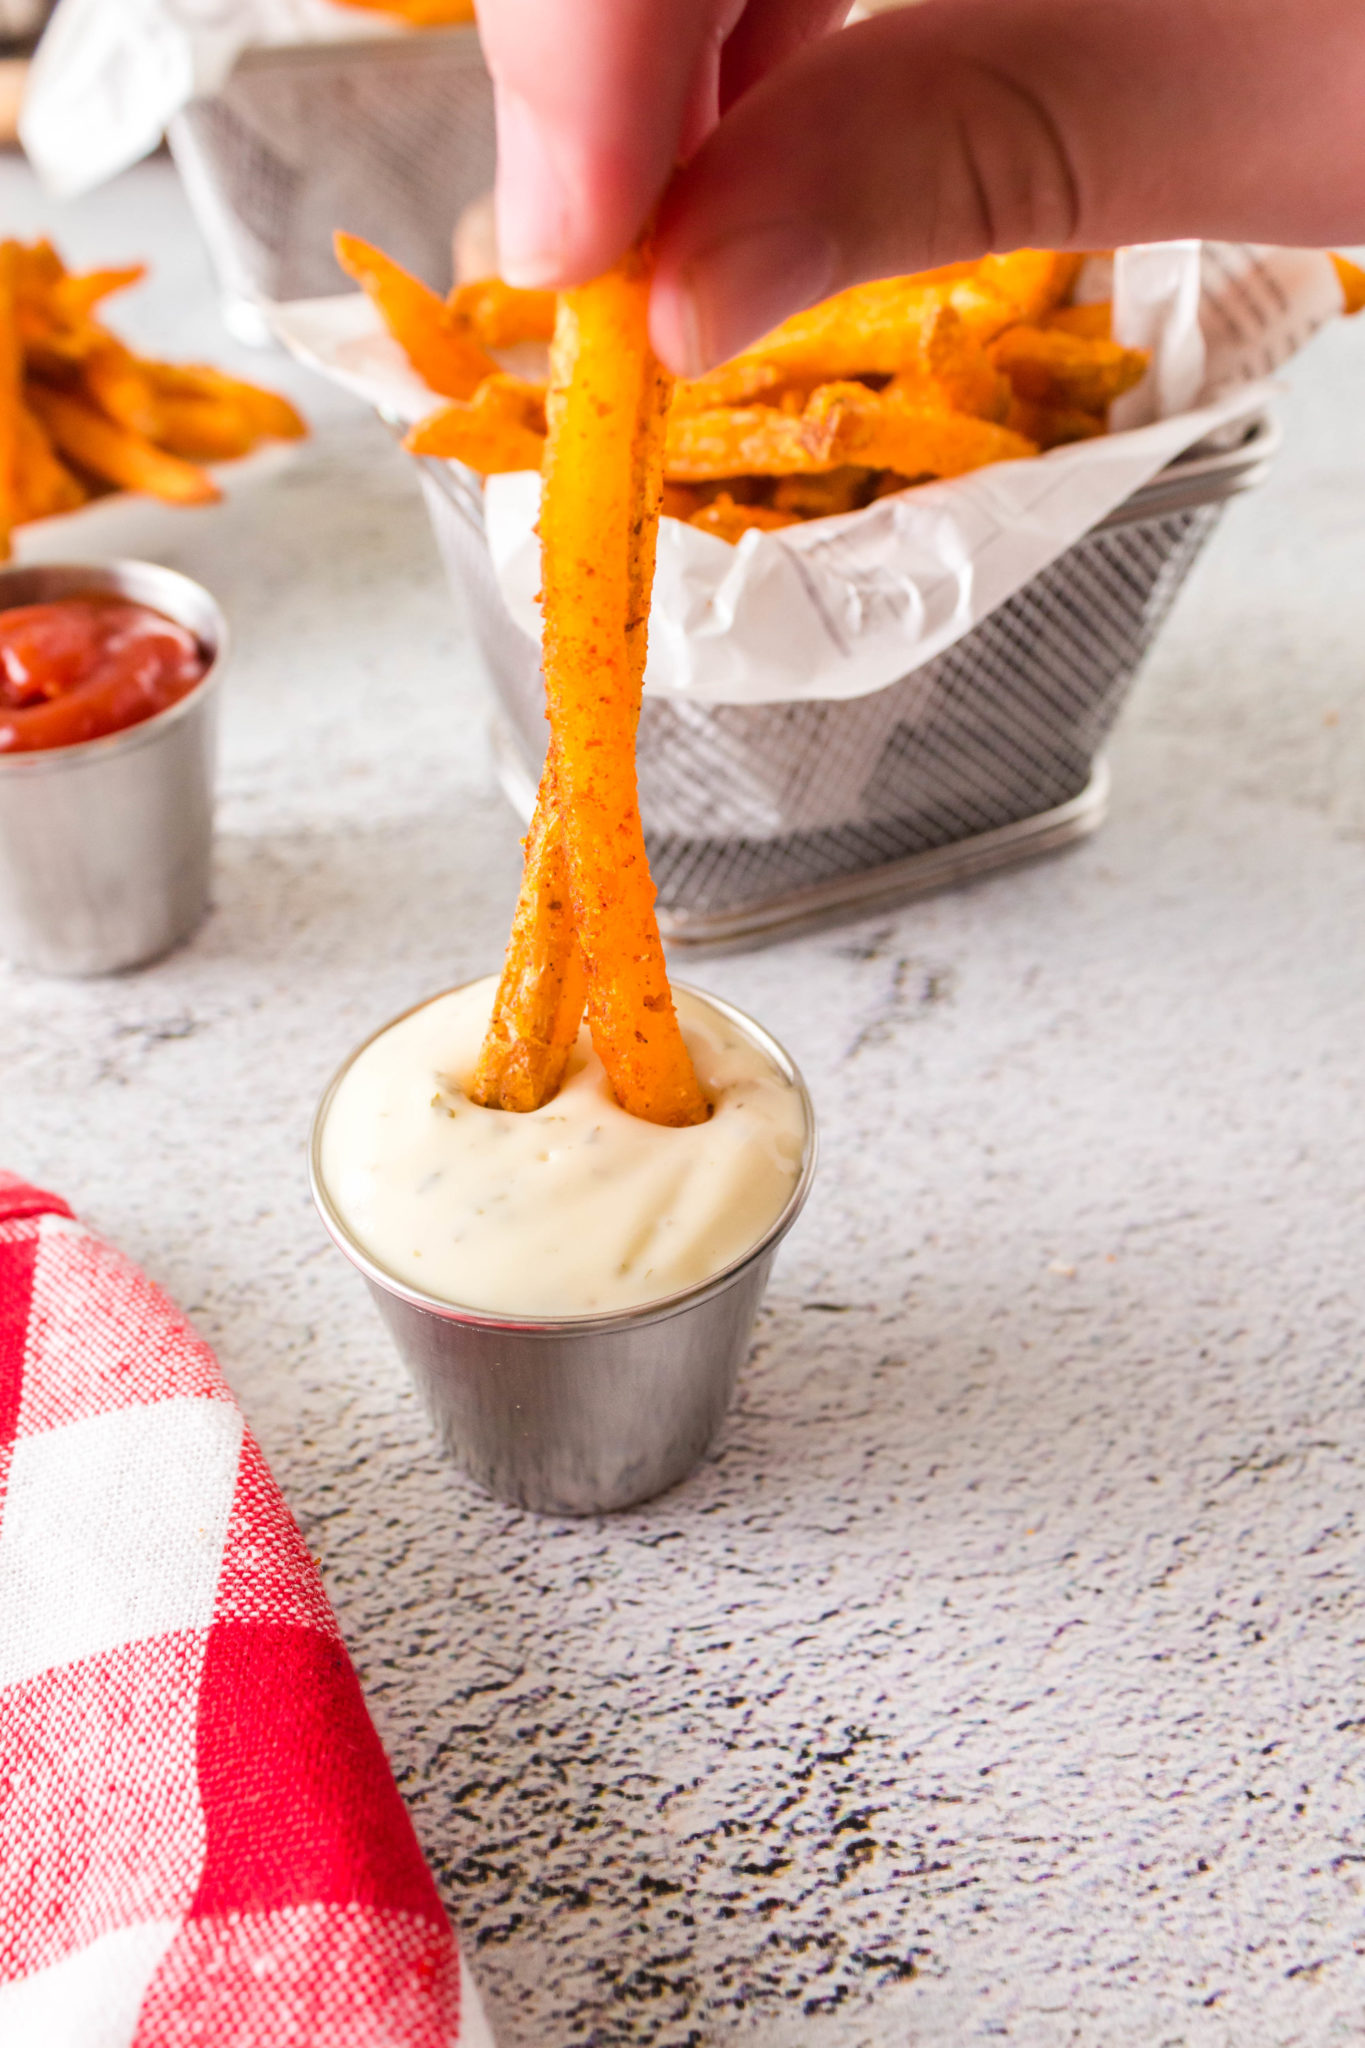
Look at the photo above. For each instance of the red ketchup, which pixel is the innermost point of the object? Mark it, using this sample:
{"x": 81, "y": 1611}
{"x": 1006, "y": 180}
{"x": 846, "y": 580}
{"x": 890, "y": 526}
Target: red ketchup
{"x": 81, "y": 667}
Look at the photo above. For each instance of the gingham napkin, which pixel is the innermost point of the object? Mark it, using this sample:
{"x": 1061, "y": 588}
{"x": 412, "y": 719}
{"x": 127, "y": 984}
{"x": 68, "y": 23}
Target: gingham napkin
{"x": 200, "y": 1839}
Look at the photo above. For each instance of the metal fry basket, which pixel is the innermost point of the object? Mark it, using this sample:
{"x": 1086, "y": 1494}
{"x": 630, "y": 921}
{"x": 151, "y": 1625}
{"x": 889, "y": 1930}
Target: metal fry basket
{"x": 760, "y": 817}
{"x": 390, "y": 138}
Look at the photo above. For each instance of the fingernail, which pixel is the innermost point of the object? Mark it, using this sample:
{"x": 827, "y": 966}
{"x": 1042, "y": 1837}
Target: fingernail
{"x": 736, "y": 290}
{"x": 532, "y": 209}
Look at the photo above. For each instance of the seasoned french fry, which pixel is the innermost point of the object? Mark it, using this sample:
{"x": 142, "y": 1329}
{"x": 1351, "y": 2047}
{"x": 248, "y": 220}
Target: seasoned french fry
{"x": 501, "y": 315}
{"x": 955, "y": 371}
{"x": 1034, "y": 281}
{"x": 1053, "y": 426}
{"x": 501, "y": 428}
{"x": 754, "y": 440}
{"x": 121, "y": 386}
{"x": 204, "y": 429}
{"x": 744, "y": 382}
{"x": 871, "y": 329}
{"x": 11, "y": 397}
{"x": 539, "y": 1003}
{"x": 115, "y": 452}
{"x": 439, "y": 343}
{"x": 1352, "y": 280}
{"x": 983, "y": 311}
{"x": 1049, "y": 367}
{"x": 75, "y": 298}
{"x": 680, "y": 501}
{"x": 1093, "y": 323}
{"x": 598, "y": 523}
{"x": 730, "y": 522}
{"x": 849, "y": 423}
{"x": 44, "y": 486}
{"x": 822, "y": 495}
{"x": 269, "y": 413}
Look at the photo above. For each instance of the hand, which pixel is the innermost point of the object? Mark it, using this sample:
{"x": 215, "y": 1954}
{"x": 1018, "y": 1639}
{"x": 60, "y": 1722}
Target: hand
{"x": 814, "y": 160}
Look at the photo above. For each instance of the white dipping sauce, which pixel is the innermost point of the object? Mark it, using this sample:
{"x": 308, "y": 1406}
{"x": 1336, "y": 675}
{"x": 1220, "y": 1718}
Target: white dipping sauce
{"x": 572, "y": 1209}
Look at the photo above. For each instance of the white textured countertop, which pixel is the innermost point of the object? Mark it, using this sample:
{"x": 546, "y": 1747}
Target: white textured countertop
{"x": 999, "y": 1677}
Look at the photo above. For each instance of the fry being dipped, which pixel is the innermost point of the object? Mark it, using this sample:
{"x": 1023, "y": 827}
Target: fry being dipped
{"x": 607, "y": 407}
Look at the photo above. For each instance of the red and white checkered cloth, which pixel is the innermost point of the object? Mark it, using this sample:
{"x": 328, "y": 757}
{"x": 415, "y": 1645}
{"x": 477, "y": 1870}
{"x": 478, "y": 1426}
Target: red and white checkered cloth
{"x": 200, "y": 1839}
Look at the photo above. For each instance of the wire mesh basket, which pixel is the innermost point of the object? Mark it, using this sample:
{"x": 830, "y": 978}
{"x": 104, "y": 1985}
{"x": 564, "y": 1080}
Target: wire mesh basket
{"x": 761, "y": 816}
{"x": 390, "y": 138}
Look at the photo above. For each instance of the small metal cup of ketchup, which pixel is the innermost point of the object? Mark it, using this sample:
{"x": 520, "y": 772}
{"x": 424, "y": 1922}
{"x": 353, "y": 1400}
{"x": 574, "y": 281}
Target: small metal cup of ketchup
{"x": 108, "y": 699}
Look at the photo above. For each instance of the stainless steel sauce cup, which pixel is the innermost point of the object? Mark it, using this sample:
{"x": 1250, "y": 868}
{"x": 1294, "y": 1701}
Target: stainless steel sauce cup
{"x": 105, "y": 846}
{"x": 577, "y": 1415}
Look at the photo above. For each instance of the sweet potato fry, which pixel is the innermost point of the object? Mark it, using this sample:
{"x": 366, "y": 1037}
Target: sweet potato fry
{"x": 744, "y": 382}
{"x": 501, "y": 428}
{"x": 11, "y": 397}
{"x": 1034, "y": 281}
{"x": 599, "y": 523}
{"x": 438, "y": 342}
{"x": 849, "y": 423}
{"x": 539, "y": 1003}
{"x": 823, "y": 495}
{"x": 115, "y": 452}
{"x": 871, "y": 329}
{"x": 115, "y": 381}
{"x": 730, "y": 522}
{"x": 501, "y": 315}
{"x": 956, "y": 372}
{"x": 44, "y": 486}
{"x": 1352, "y": 280}
{"x": 753, "y": 440}
{"x": 74, "y": 298}
{"x": 271, "y": 416}
{"x": 1054, "y": 426}
{"x": 204, "y": 429}
{"x": 1094, "y": 322}
{"x": 1049, "y": 367}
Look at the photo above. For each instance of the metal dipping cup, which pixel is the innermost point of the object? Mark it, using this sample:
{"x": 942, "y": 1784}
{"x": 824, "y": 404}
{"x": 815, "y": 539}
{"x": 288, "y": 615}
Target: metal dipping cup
{"x": 578, "y": 1415}
{"x": 105, "y": 846}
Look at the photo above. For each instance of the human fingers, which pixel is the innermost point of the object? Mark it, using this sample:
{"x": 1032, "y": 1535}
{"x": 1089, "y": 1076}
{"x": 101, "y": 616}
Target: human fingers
{"x": 935, "y": 134}
{"x": 768, "y": 32}
{"x": 596, "y": 100}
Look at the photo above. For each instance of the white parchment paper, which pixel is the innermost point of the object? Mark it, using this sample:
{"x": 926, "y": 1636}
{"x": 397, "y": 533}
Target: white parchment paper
{"x": 840, "y": 607}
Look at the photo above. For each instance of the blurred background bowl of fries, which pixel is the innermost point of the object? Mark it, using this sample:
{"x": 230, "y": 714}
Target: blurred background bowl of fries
{"x": 82, "y": 415}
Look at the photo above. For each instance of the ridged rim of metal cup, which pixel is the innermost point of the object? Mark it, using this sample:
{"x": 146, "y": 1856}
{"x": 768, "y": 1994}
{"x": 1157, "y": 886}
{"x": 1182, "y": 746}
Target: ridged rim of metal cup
{"x": 560, "y": 1326}
{"x": 142, "y": 583}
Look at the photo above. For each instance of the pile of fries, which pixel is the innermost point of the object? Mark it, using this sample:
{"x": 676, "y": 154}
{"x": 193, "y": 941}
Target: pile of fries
{"x": 881, "y": 387}
{"x": 884, "y": 386}
{"x": 81, "y": 415}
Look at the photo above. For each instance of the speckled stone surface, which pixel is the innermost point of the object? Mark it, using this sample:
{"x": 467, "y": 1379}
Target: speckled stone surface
{"x": 1000, "y": 1675}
